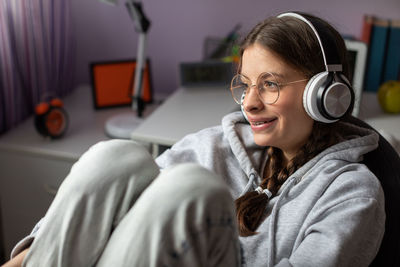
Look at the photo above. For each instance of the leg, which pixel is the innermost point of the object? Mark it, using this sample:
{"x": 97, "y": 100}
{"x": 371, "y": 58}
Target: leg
{"x": 101, "y": 187}
{"x": 184, "y": 218}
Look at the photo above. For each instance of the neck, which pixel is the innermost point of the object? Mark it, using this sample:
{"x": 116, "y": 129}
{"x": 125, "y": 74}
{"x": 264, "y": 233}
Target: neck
{"x": 286, "y": 158}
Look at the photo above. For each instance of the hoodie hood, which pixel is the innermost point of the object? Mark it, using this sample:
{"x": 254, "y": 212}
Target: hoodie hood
{"x": 251, "y": 157}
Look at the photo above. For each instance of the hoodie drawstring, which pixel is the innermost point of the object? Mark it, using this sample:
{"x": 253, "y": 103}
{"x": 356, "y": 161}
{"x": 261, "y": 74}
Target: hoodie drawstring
{"x": 250, "y": 184}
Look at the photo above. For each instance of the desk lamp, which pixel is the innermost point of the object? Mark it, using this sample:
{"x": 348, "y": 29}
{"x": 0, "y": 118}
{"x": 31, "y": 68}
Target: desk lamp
{"x": 120, "y": 126}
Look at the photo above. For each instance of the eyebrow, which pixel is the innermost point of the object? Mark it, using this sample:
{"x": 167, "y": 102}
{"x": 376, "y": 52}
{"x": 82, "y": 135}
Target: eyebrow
{"x": 278, "y": 75}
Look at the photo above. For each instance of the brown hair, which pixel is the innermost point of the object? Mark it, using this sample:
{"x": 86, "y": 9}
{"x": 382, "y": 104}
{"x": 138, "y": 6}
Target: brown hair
{"x": 295, "y": 42}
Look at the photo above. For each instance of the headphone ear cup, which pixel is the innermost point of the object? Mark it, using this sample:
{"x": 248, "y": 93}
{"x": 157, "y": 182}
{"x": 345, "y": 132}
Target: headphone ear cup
{"x": 327, "y": 100}
{"x": 337, "y": 100}
{"x": 310, "y": 96}
{"x": 347, "y": 99}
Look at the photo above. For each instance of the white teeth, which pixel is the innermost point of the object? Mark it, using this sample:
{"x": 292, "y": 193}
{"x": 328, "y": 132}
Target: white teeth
{"x": 256, "y": 123}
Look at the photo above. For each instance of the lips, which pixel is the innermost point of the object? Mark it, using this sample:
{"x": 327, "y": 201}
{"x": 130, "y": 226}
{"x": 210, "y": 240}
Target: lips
{"x": 256, "y": 123}
{"x": 261, "y": 124}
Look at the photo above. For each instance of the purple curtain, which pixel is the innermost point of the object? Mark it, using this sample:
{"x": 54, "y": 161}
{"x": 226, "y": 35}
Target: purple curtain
{"x": 36, "y": 56}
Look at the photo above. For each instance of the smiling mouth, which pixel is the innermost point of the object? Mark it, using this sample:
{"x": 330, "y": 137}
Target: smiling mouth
{"x": 258, "y": 123}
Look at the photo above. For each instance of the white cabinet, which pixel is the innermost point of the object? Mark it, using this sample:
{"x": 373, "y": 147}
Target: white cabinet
{"x": 28, "y": 185}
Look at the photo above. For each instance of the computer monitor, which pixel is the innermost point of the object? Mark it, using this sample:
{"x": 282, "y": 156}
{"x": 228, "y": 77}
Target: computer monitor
{"x": 357, "y": 56}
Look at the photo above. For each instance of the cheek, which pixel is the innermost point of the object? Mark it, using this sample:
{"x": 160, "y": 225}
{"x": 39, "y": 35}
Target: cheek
{"x": 291, "y": 103}
{"x": 292, "y": 110}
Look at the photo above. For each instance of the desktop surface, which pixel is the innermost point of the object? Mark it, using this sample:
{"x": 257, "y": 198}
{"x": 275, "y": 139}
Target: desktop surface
{"x": 188, "y": 110}
{"x": 388, "y": 124}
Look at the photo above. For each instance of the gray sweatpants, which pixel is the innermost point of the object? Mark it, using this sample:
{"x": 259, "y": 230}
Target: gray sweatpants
{"x": 116, "y": 209}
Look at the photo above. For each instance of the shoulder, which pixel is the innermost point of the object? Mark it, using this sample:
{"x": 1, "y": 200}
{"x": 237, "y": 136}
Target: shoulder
{"x": 336, "y": 181}
{"x": 345, "y": 192}
{"x": 349, "y": 183}
{"x": 357, "y": 179}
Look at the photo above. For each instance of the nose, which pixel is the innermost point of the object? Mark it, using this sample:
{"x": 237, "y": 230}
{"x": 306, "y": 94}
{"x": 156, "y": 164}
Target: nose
{"x": 252, "y": 100}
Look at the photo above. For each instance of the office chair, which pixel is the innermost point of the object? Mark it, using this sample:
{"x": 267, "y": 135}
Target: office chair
{"x": 384, "y": 162}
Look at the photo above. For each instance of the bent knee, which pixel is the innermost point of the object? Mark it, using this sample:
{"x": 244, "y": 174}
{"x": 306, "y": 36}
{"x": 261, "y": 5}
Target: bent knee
{"x": 186, "y": 189}
{"x": 190, "y": 180}
{"x": 115, "y": 148}
{"x": 114, "y": 154}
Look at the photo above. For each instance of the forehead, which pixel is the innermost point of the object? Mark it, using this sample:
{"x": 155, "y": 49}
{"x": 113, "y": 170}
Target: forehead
{"x": 257, "y": 59}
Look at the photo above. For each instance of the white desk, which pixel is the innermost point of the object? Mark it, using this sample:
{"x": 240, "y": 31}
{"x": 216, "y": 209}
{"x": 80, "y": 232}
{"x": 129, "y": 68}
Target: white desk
{"x": 186, "y": 111}
{"x": 387, "y": 124}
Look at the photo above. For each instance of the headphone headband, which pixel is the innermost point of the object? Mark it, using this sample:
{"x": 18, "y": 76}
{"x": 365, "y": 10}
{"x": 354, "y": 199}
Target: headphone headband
{"x": 325, "y": 40}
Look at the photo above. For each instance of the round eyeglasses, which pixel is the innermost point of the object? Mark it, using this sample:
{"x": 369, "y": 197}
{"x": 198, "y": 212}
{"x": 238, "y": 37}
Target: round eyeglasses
{"x": 267, "y": 85}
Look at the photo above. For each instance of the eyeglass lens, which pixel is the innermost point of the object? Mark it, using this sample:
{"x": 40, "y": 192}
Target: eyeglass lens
{"x": 267, "y": 85}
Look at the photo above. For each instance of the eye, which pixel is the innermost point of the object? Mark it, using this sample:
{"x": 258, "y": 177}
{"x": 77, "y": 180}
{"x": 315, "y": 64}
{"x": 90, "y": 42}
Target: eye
{"x": 269, "y": 85}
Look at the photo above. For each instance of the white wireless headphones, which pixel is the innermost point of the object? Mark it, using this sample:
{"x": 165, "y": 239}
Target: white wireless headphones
{"x": 328, "y": 95}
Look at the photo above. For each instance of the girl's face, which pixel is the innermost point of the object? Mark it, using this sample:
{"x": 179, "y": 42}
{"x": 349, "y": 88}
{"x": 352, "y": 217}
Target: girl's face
{"x": 283, "y": 124}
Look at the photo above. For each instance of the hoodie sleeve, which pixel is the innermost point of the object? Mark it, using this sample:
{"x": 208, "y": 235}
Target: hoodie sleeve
{"x": 346, "y": 229}
{"x": 182, "y": 151}
{"x": 26, "y": 241}
{"x": 201, "y": 147}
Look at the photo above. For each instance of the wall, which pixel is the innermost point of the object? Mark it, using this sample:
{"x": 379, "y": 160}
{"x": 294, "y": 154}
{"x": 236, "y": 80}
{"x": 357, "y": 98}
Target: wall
{"x": 105, "y": 32}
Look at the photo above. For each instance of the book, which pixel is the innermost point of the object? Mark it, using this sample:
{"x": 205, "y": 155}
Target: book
{"x": 366, "y": 28}
{"x": 376, "y": 54}
{"x": 392, "y": 64}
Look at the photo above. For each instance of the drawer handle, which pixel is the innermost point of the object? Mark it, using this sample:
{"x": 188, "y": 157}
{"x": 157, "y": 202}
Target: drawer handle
{"x": 50, "y": 190}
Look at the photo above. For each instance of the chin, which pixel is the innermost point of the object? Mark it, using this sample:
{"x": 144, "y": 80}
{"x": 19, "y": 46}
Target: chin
{"x": 262, "y": 141}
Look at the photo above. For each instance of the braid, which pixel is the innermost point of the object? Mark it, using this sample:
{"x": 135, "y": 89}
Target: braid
{"x": 274, "y": 180}
{"x": 251, "y": 207}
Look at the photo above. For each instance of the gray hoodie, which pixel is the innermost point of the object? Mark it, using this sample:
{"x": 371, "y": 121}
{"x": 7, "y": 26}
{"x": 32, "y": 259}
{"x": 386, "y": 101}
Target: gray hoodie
{"x": 330, "y": 212}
